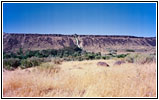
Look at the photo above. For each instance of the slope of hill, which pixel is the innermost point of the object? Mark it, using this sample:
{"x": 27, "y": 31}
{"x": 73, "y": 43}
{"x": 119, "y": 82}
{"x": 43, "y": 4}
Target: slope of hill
{"x": 92, "y": 43}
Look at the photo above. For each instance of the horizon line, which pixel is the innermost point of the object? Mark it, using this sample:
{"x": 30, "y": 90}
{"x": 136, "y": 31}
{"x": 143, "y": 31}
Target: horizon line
{"x": 59, "y": 34}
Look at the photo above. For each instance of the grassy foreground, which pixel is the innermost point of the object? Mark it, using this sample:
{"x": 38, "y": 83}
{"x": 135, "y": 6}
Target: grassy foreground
{"x": 82, "y": 79}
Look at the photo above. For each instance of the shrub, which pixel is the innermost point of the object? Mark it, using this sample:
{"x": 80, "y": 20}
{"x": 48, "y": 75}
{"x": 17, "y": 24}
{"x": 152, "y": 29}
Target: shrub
{"x": 46, "y": 53}
{"x": 38, "y": 54}
{"x": 145, "y": 58}
{"x": 130, "y": 50}
{"x": 30, "y": 62}
{"x": 30, "y": 53}
{"x": 140, "y": 58}
{"x": 98, "y": 54}
{"x": 131, "y": 58}
{"x": 103, "y": 57}
{"x": 91, "y": 56}
{"x": 97, "y": 57}
{"x": 36, "y": 61}
{"x": 11, "y": 63}
{"x": 54, "y": 52}
{"x": 106, "y": 57}
{"x": 66, "y": 54}
{"x": 26, "y": 63}
{"x": 5, "y": 56}
{"x": 121, "y": 56}
{"x": 8, "y": 67}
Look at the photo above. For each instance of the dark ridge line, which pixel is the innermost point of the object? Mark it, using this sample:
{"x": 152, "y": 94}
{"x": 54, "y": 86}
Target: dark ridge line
{"x": 39, "y": 34}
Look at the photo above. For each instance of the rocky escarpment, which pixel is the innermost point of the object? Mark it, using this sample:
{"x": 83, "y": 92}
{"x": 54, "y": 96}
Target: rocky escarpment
{"x": 93, "y": 43}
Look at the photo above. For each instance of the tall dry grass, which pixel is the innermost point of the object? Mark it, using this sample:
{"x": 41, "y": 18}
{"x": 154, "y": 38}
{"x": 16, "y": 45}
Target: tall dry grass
{"x": 82, "y": 79}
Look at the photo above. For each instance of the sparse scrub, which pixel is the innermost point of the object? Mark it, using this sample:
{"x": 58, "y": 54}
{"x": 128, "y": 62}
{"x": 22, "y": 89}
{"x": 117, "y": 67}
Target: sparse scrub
{"x": 146, "y": 58}
{"x": 140, "y": 58}
{"x": 34, "y": 58}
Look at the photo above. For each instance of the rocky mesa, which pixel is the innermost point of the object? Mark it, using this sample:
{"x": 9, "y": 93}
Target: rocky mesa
{"x": 92, "y": 43}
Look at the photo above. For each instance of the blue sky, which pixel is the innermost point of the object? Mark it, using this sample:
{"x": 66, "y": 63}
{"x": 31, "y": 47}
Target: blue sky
{"x": 137, "y": 19}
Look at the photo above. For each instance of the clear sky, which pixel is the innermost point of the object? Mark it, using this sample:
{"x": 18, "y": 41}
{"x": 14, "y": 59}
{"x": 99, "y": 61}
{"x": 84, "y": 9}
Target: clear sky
{"x": 137, "y": 19}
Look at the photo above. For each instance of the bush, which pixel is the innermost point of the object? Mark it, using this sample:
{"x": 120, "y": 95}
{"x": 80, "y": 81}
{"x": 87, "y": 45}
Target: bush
{"x": 9, "y": 55}
{"x": 11, "y": 63}
{"x": 45, "y": 53}
{"x": 131, "y": 58}
{"x": 98, "y": 54}
{"x": 97, "y": 57}
{"x": 91, "y": 56}
{"x": 30, "y": 53}
{"x": 75, "y": 54}
{"x": 103, "y": 57}
{"x": 26, "y": 63}
{"x": 122, "y": 55}
{"x": 36, "y": 61}
{"x": 8, "y": 67}
{"x": 53, "y": 52}
{"x": 30, "y": 62}
{"x": 145, "y": 58}
{"x": 140, "y": 58}
{"x": 5, "y": 56}
{"x": 130, "y": 50}
{"x": 106, "y": 57}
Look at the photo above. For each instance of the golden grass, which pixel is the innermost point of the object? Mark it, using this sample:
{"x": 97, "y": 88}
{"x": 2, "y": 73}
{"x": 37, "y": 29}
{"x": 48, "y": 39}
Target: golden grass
{"x": 82, "y": 79}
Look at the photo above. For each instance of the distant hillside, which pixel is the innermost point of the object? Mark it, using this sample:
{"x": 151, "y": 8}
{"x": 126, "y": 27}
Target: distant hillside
{"x": 93, "y": 43}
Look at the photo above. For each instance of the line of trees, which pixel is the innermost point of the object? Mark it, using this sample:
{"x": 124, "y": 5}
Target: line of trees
{"x": 65, "y": 52}
{"x": 31, "y": 58}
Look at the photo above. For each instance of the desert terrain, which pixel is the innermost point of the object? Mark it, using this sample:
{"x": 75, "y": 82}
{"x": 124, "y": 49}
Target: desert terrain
{"x": 36, "y": 65}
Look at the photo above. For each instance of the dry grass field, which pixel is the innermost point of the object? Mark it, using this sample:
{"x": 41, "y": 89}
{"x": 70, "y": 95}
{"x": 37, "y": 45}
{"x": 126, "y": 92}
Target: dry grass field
{"x": 82, "y": 79}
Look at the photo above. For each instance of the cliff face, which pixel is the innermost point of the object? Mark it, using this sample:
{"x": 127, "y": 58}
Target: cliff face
{"x": 93, "y": 43}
